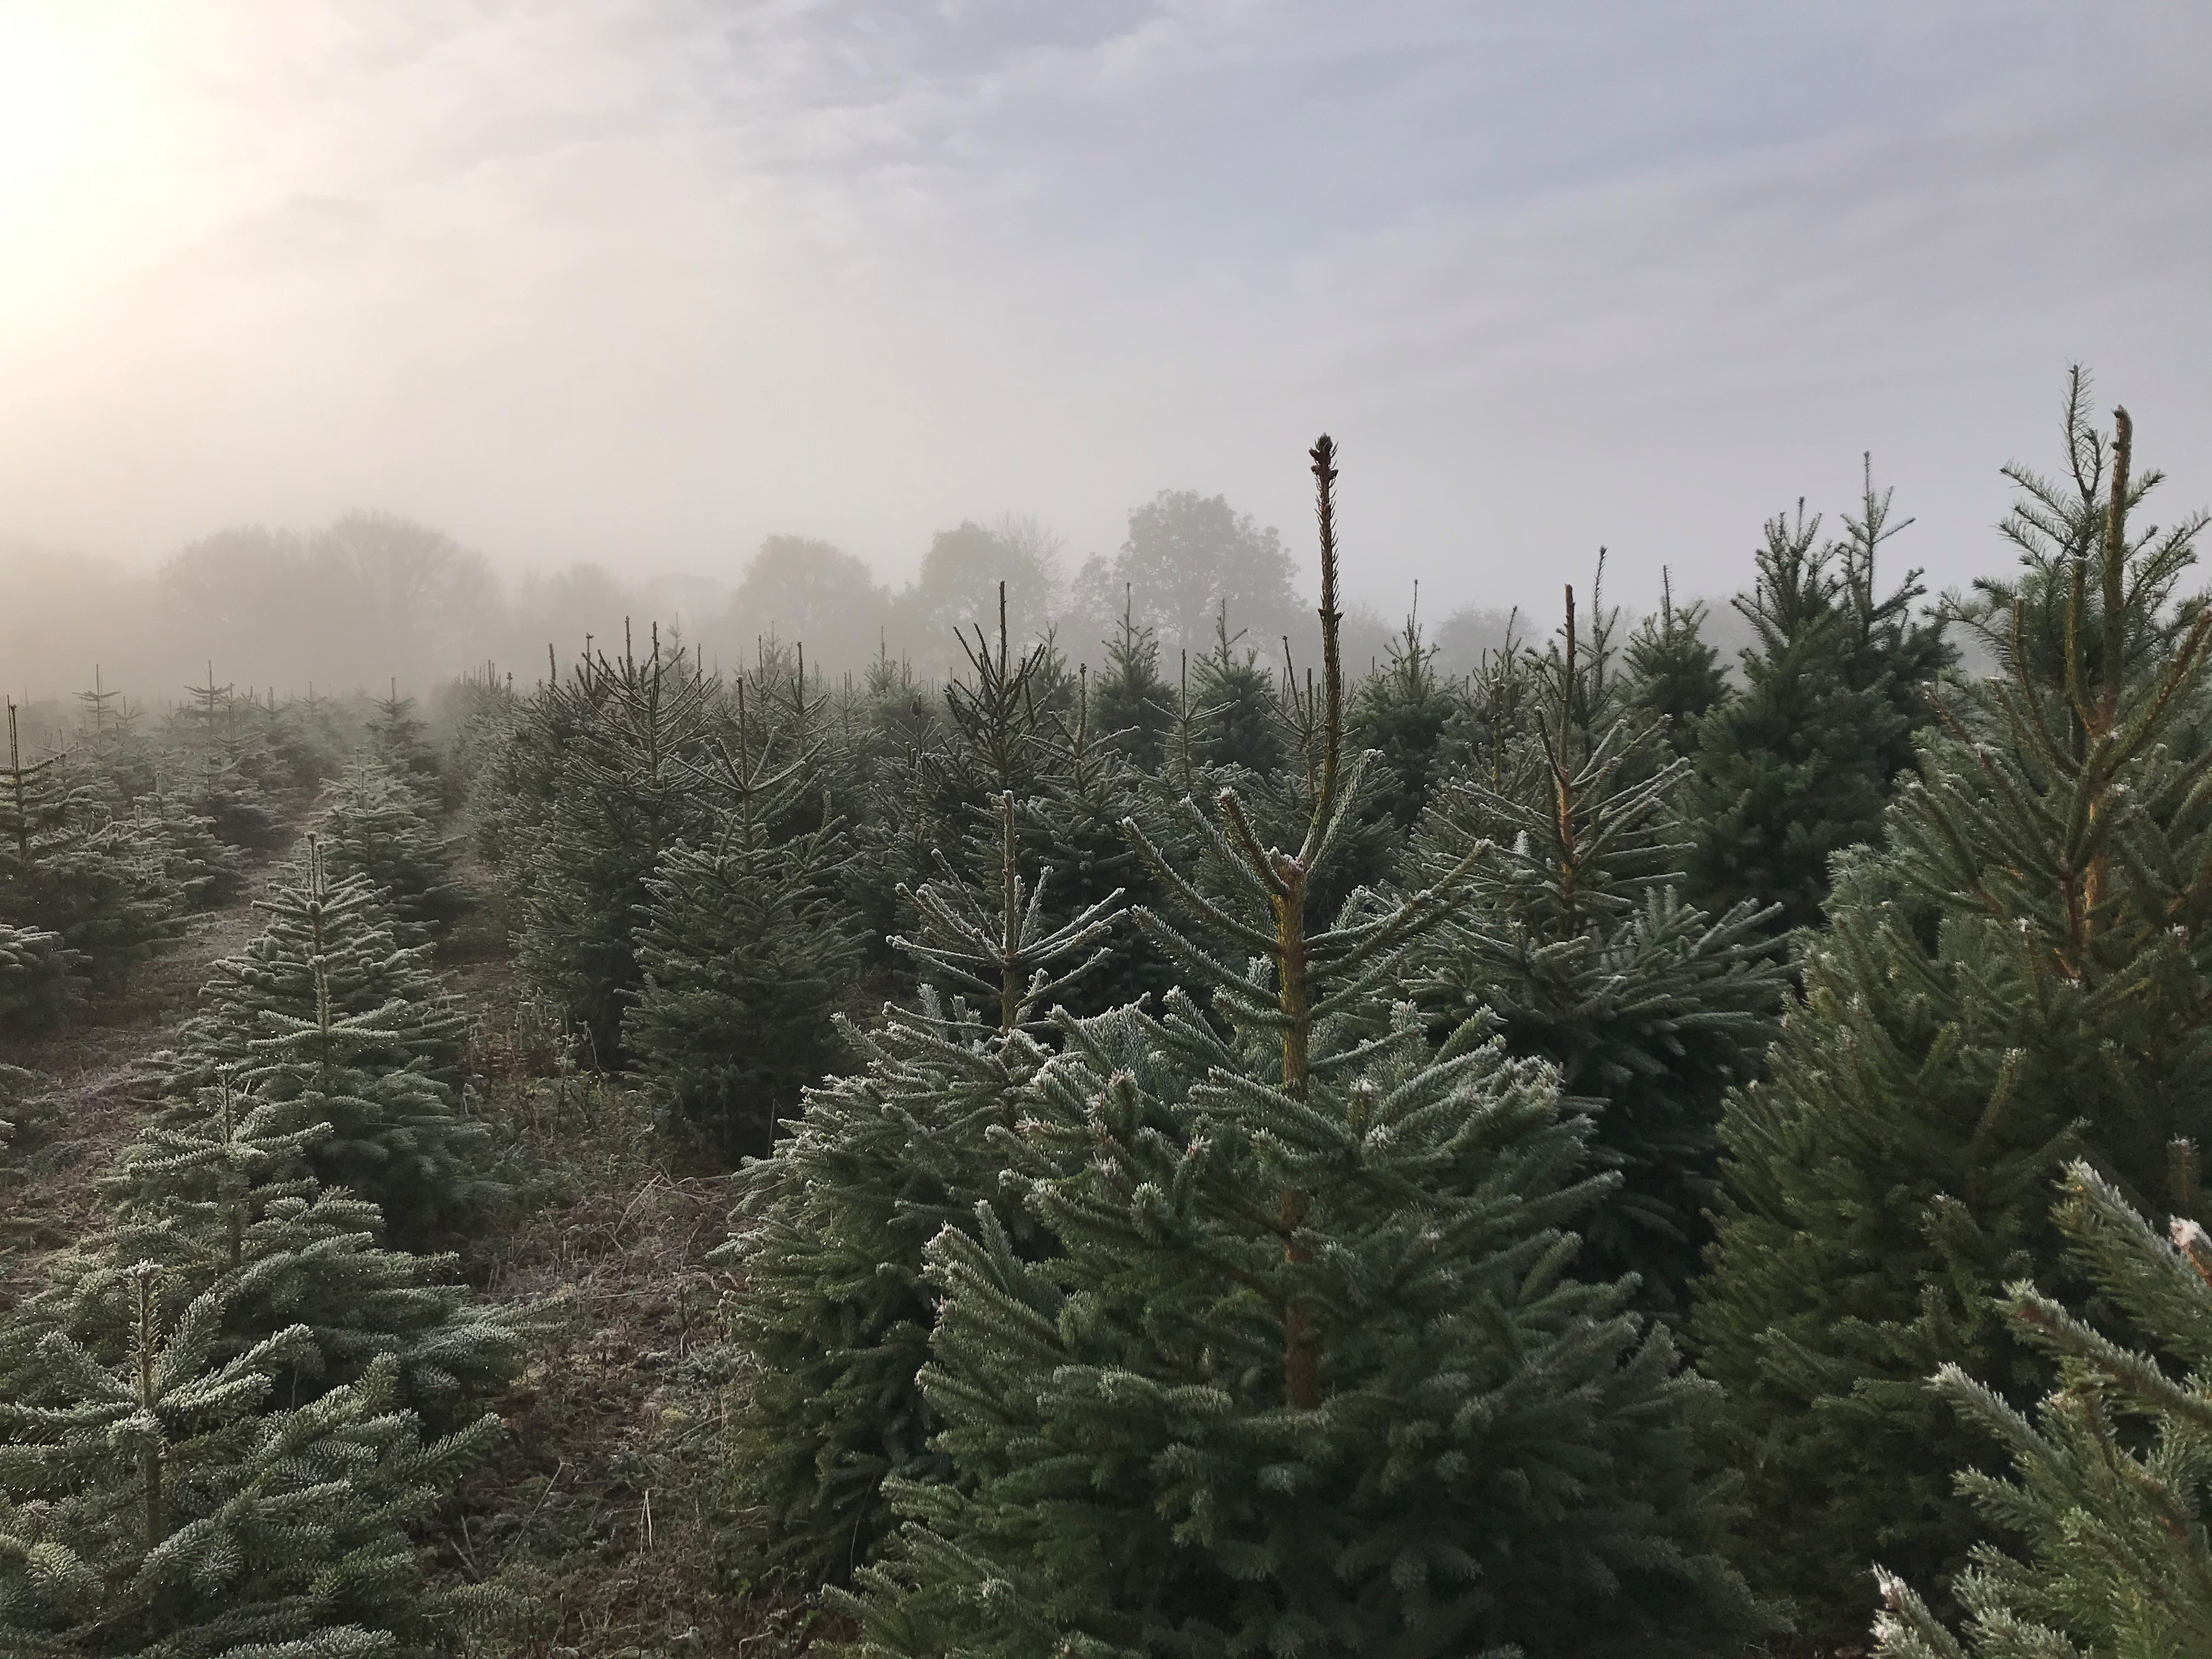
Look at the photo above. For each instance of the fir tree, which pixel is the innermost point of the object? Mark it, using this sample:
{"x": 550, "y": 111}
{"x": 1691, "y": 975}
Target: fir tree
{"x": 400, "y": 1135}
{"x": 1798, "y": 766}
{"x": 746, "y": 951}
{"x": 996, "y": 716}
{"x": 1085, "y": 789}
{"x": 2022, "y": 620}
{"x": 1402, "y": 713}
{"x": 66, "y": 867}
{"x": 836, "y": 1317}
{"x": 218, "y": 778}
{"x": 401, "y": 744}
{"x": 1238, "y": 717}
{"x": 111, "y": 737}
{"x": 1489, "y": 728}
{"x": 378, "y": 826}
{"x": 159, "y": 1506}
{"x": 39, "y": 985}
{"x": 1674, "y": 675}
{"x": 222, "y": 1202}
{"x": 1132, "y": 705}
{"x": 207, "y": 871}
{"x": 2113, "y": 1518}
{"x": 326, "y": 942}
{"x": 327, "y": 1012}
{"x": 1306, "y": 1374}
{"x": 2018, "y": 979}
{"x": 626, "y": 793}
{"x": 1574, "y": 945}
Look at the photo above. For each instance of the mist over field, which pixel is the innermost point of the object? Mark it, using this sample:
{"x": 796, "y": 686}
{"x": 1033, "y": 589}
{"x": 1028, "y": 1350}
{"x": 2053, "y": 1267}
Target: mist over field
{"x": 338, "y": 343}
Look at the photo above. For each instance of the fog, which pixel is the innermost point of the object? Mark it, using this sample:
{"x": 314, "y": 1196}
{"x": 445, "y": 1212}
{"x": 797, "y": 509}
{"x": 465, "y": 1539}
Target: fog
{"x": 340, "y": 343}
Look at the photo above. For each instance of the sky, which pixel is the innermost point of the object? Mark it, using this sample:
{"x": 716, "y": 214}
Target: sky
{"x": 643, "y": 281}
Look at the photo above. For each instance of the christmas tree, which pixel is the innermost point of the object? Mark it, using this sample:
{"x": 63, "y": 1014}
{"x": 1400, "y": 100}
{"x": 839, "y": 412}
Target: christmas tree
{"x": 2112, "y": 1489}
{"x": 1573, "y": 944}
{"x": 1132, "y": 705}
{"x": 206, "y": 870}
{"x": 110, "y": 737}
{"x": 1674, "y": 675}
{"x": 626, "y": 793}
{"x": 222, "y": 1202}
{"x": 1306, "y": 1372}
{"x": 68, "y": 868}
{"x": 377, "y": 826}
{"x": 1489, "y": 732}
{"x": 222, "y": 766}
{"x": 936, "y": 795}
{"x": 747, "y": 951}
{"x": 400, "y": 1136}
{"x": 1239, "y": 717}
{"x": 331, "y": 945}
{"x": 1086, "y": 787}
{"x": 1402, "y": 712}
{"x": 1798, "y": 766}
{"x": 997, "y": 712}
{"x": 39, "y": 985}
{"x": 401, "y": 744}
{"x": 836, "y": 1314}
{"x": 2013, "y": 982}
{"x": 326, "y": 1013}
{"x": 159, "y": 1505}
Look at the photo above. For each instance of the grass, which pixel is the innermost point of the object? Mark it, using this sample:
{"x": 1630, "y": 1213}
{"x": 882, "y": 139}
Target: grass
{"x": 609, "y": 1502}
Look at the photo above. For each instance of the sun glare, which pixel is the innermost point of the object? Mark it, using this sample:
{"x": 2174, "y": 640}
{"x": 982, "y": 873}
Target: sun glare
{"x": 77, "y": 108}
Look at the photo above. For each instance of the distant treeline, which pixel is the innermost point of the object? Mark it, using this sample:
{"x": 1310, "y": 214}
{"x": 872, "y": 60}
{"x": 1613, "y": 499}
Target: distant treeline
{"x": 374, "y": 595}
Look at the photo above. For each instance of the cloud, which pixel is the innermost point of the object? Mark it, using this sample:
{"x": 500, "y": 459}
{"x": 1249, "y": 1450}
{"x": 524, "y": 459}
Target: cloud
{"x": 643, "y": 283}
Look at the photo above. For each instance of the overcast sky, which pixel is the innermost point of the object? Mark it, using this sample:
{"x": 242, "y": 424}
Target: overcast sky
{"x": 642, "y": 282}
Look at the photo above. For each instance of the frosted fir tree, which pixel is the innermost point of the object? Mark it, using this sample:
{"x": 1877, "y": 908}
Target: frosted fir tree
{"x": 206, "y": 870}
{"x": 747, "y": 952}
{"x": 328, "y": 942}
{"x": 399, "y": 1136}
{"x": 936, "y": 796}
{"x": 377, "y": 826}
{"x": 2110, "y": 1496}
{"x": 224, "y": 774}
{"x": 112, "y": 739}
{"x": 1306, "y": 1372}
{"x": 1086, "y": 787}
{"x": 832, "y": 1229}
{"x": 2014, "y": 981}
{"x": 1403, "y": 712}
{"x": 1573, "y": 944}
{"x": 1133, "y": 707}
{"x": 40, "y": 985}
{"x": 223, "y": 1203}
{"x": 1799, "y": 766}
{"x": 68, "y": 868}
{"x": 401, "y": 744}
{"x": 1491, "y": 729}
{"x": 624, "y": 791}
{"x": 997, "y": 714}
{"x": 1673, "y": 677}
{"x": 1238, "y": 714}
{"x": 164, "y": 1505}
